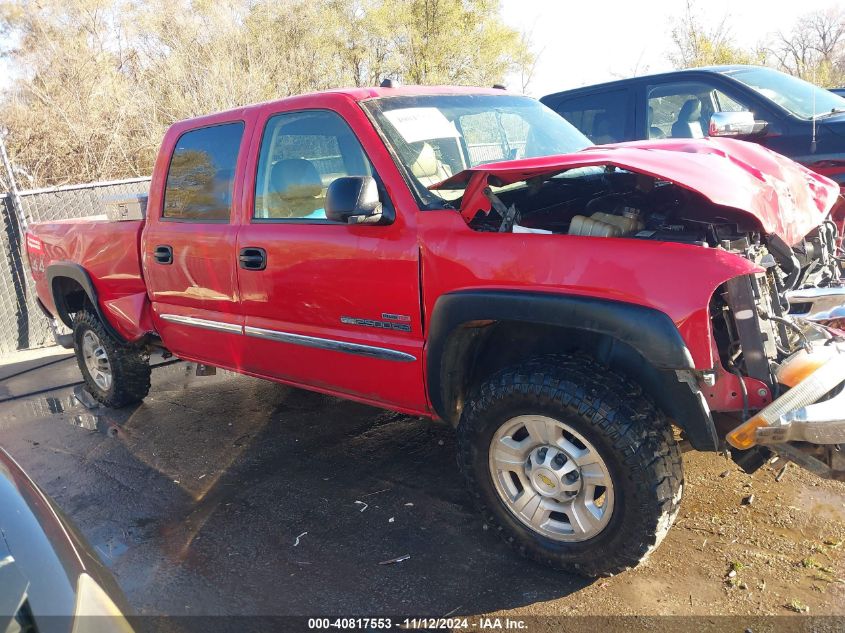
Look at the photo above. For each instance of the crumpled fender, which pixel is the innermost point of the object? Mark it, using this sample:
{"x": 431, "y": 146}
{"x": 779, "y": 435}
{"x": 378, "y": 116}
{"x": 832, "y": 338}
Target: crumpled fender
{"x": 130, "y": 315}
{"x": 676, "y": 279}
{"x": 786, "y": 198}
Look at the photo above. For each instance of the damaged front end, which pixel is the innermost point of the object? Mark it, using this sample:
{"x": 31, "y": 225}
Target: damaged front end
{"x": 785, "y": 359}
{"x": 806, "y": 424}
{"x": 778, "y": 380}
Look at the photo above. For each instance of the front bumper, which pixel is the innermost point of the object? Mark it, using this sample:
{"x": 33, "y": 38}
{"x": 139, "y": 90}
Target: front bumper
{"x": 819, "y": 423}
{"x": 799, "y": 415}
{"x": 818, "y": 304}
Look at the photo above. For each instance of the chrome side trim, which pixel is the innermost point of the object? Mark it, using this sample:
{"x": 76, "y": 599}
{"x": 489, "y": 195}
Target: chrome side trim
{"x": 329, "y": 344}
{"x": 206, "y": 324}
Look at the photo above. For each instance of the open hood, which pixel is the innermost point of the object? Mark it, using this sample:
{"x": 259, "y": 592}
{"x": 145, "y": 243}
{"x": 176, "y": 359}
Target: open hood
{"x": 786, "y": 198}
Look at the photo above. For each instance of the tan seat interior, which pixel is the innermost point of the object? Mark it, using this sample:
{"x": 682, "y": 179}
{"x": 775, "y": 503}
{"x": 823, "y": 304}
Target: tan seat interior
{"x": 296, "y": 189}
{"x": 427, "y": 169}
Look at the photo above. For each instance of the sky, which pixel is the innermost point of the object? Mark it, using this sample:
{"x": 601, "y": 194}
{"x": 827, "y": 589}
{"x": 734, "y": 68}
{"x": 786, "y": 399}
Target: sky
{"x": 582, "y": 43}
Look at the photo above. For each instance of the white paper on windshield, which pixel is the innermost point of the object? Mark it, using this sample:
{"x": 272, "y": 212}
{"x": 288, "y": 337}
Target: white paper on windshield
{"x": 421, "y": 124}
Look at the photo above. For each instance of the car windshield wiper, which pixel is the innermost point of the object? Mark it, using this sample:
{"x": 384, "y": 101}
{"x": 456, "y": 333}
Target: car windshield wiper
{"x": 829, "y": 114}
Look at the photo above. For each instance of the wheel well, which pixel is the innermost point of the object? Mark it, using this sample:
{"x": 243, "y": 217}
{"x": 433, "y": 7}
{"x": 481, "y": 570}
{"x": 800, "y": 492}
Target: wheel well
{"x": 477, "y": 350}
{"x": 70, "y": 297}
{"x": 73, "y": 290}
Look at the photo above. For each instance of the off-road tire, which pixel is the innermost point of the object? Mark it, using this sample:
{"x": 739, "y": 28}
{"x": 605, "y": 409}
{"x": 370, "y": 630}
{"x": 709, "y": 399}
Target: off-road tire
{"x": 130, "y": 365}
{"x": 632, "y": 436}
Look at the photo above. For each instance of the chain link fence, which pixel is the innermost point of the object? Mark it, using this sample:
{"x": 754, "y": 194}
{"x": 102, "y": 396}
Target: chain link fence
{"x": 22, "y": 324}
{"x": 488, "y": 152}
{"x": 77, "y": 201}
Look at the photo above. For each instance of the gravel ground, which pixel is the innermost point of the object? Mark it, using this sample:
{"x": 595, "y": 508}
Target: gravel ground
{"x": 229, "y": 495}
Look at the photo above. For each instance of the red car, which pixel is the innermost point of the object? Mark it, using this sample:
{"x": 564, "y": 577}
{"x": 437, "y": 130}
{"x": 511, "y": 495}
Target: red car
{"x": 576, "y": 312}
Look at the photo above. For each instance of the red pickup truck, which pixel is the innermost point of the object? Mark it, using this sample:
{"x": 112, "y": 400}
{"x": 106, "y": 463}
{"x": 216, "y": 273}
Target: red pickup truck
{"x": 578, "y": 313}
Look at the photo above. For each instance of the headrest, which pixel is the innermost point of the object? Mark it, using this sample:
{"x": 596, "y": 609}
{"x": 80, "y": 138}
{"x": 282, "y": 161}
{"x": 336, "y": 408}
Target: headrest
{"x": 690, "y": 111}
{"x": 425, "y": 165}
{"x": 295, "y": 178}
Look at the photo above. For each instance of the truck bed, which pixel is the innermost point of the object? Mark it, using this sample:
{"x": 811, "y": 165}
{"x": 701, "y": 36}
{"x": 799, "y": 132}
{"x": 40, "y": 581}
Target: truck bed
{"x": 108, "y": 251}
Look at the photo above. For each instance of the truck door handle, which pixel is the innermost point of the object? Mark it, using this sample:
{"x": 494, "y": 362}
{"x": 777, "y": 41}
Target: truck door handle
{"x": 163, "y": 254}
{"x": 252, "y": 258}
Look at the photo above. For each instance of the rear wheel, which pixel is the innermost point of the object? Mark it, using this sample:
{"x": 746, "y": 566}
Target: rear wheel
{"x": 571, "y": 464}
{"x": 116, "y": 374}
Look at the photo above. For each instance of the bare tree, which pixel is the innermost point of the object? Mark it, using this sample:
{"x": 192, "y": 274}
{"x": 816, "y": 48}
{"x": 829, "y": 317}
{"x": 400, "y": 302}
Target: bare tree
{"x": 815, "y": 47}
{"x": 697, "y": 45}
{"x": 527, "y": 60}
{"x": 99, "y": 81}
{"x": 634, "y": 70}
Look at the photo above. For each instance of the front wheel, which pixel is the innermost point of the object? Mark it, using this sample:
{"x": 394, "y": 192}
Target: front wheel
{"x": 571, "y": 464}
{"x": 115, "y": 374}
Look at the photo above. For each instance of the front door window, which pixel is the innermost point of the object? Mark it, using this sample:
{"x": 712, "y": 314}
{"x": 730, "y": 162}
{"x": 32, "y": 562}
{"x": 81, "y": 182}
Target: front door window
{"x": 683, "y": 110}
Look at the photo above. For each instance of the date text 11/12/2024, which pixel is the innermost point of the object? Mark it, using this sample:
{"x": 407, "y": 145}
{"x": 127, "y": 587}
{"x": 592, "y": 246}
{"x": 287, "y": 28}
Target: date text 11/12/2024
{"x": 448, "y": 624}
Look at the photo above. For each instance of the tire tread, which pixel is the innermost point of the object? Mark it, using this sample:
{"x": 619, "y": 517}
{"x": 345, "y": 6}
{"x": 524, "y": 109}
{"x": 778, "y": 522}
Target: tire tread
{"x": 616, "y": 408}
{"x": 130, "y": 365}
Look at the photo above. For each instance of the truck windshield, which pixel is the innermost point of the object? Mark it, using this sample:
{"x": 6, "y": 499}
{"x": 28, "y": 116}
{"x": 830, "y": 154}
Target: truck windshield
{"x": 799, "y": 97}
{"x": 437, "y": 136}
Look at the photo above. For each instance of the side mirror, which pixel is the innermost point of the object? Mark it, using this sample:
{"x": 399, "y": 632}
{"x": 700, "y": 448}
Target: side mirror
{"x": 734, "y": 124}
{"x": 355, "y": 200}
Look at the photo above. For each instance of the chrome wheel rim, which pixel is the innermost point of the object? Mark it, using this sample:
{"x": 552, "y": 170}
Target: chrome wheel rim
{"x": 551, "y": 478}
{"x": 96, "y": 360}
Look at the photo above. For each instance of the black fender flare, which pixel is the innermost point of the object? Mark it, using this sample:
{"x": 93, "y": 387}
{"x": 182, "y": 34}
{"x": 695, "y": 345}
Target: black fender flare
{"x": 649, "y": 332}
{"x": 70, "y": 270}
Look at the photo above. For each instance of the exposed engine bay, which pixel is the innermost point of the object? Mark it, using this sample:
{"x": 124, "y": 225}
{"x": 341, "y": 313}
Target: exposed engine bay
{"x": 610, "y": 202}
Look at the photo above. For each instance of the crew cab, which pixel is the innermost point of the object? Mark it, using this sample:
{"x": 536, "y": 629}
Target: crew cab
{"x": 576, "y": 312}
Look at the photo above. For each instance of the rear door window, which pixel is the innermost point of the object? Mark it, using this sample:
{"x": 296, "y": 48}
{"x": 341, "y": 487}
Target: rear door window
{"x": 202, "y": 174}
{"x": 601, "y": 116}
